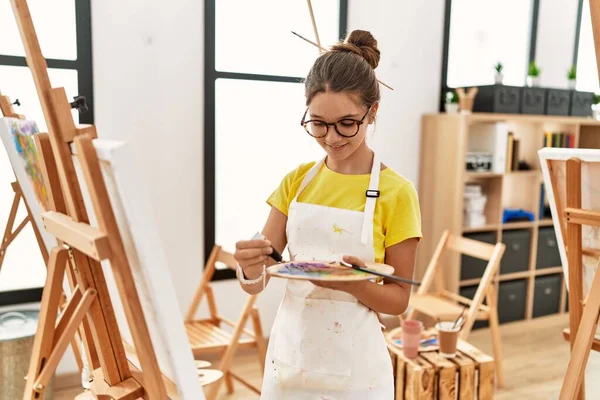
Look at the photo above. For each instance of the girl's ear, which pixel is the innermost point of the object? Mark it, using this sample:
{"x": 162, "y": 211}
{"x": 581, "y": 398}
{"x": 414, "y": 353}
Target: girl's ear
{"x": 373, "y": 113}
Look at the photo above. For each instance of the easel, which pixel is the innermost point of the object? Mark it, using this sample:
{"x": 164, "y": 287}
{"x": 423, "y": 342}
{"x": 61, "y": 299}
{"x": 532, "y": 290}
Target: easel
{"x": 115, "y": 376}
{"x": 10, "y": 234}
{"x": 582, "y": 320}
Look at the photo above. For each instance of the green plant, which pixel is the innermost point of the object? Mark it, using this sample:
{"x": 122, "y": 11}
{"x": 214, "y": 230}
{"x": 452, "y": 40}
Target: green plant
{"x": 597, "y": 99}
{"x": 499, "y": 67}
{"x": 451, "y": 97}
{"x": 572, "y": 73}
{"x": 534, "y": 69}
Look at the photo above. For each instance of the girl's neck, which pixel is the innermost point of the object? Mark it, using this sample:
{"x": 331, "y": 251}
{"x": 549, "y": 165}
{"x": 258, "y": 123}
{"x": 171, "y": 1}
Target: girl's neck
{"x": 360, "y": 162}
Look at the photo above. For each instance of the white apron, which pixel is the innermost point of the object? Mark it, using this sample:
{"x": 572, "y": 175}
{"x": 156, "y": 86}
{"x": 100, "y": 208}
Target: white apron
{"x": 324, "y": 344}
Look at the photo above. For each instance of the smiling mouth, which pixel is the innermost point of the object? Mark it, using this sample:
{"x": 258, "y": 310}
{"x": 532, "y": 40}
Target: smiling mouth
{"x": 337, "y": 147}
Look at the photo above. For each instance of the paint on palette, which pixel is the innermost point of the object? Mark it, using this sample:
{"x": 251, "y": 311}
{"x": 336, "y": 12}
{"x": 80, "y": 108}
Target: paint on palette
{"x": 22, "y": 133}
{"x": 318, "y": 269}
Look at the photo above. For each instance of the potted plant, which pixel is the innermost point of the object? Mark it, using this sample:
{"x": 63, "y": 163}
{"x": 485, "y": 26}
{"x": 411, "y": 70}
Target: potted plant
{"x": 499, "y": 77}
{"x": 451, "y": 105}
{"x": 572, "y": 77}
{"x": 533, "y": 75}
{"x": 596, "y": 107}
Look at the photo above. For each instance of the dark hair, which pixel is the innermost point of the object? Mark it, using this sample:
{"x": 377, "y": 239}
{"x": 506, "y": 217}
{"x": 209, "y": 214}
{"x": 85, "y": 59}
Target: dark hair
{"x": 347, "y": 67}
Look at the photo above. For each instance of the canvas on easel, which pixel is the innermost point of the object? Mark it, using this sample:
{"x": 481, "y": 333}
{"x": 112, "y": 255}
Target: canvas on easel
{"x": 138, "y": 229}
{"x": 17, "y": 136}
{"x": 12, "y": 126}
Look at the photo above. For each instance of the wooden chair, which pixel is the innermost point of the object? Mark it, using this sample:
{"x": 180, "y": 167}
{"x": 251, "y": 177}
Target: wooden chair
{"x": 446, "y": 305}
{"x": 207, "y": 335}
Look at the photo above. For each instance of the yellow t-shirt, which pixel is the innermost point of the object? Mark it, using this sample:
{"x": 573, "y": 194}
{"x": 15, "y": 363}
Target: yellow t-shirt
{"x": 397, "y": 213}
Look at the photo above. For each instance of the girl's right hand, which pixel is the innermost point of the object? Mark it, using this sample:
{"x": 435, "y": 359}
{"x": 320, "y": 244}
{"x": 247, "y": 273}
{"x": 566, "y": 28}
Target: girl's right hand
{"x": 252, "y": 255}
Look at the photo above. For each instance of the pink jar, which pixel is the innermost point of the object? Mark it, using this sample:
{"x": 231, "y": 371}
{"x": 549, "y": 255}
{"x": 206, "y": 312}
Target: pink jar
{"x": 411, "y": 337}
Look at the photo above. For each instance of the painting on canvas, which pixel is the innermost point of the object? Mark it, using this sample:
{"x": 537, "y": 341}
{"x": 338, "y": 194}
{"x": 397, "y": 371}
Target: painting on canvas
{"x": 554, "y": 169}
{"x": 17, "y": 136}
{"x": 149, "y": 266}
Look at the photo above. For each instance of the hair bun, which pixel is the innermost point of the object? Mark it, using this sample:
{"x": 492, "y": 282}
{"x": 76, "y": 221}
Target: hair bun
{"x": 362, "y": 43}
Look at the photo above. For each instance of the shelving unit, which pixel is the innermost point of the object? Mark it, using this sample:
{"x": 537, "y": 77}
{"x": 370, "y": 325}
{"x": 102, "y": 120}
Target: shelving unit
{"x": 526, "y": 281}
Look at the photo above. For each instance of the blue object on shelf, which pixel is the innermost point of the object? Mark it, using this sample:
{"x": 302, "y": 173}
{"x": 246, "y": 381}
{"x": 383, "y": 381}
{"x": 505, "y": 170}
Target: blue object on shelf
{"x": 518, "y": 214}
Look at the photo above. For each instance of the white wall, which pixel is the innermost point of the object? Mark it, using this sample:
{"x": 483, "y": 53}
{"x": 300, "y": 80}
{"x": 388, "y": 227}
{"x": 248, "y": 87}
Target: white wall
{"x": 555, "y": 39}
{"x": 410, "y": 36}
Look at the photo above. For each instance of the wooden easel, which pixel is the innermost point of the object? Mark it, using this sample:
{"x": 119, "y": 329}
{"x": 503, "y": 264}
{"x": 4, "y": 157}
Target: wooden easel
{"x": 583, "y": 313}
{"x": 10, "y": 234}
{"x": 582, "y": 320}
{"x": 115, "y": 376}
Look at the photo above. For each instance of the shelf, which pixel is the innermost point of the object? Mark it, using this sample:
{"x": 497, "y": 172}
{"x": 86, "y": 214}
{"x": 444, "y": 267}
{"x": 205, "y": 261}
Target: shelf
{"x": 448, "y": 137}
{"x": 525, "y": 172}
{"x": 517, "y": 225}
{"x": 470, "y": 175}
{"x": 484, "y": 228}
{"x": 546, "y": 222}
{"x": 477, "y": 117}
{"x": 481, "y": 175}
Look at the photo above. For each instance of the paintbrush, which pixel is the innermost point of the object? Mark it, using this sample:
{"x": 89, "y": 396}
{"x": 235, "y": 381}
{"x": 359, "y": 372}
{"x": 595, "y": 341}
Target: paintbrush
{"x": 370, "y": 271}
{"x": 324, "y": 49}
{"x": 460, "y": 316}
{"x": 274, "y": 254}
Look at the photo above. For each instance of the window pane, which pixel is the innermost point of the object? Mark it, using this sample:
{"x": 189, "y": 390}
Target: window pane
{"x": 17, "y": 83}
{"x": 587, "y": 70}
{"x": 480, "y": 38}
{"x": 255, "y": 36}
{"x": 23, "y": 267}
{"x": 258, "y": 140}
{"x": 55, "y": 30}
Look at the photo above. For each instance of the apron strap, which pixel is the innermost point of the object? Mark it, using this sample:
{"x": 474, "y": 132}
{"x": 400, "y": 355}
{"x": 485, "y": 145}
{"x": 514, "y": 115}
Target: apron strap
{"x": 309, "y": 177}
{"x": 372, "y": 195}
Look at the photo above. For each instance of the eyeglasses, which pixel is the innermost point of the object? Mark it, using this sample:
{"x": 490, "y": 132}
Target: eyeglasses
{"x": 346, "y": 127}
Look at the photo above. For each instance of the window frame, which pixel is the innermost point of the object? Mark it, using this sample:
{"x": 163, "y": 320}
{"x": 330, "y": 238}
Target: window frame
{"x": 85, "y": 86}
{"x": 210, "y": 78}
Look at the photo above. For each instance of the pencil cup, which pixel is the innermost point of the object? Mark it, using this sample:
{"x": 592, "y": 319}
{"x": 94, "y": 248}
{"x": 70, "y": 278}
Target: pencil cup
{"x": 411, "y": 337}
{"x": 447, "y": 338}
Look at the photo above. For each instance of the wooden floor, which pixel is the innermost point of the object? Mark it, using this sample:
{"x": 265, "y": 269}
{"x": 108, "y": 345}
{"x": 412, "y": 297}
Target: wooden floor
{"x": 535, "y": 360}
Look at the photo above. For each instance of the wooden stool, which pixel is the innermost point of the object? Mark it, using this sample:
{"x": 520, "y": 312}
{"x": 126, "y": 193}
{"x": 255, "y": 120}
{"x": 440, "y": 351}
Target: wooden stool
{"x": 469, "y": 375}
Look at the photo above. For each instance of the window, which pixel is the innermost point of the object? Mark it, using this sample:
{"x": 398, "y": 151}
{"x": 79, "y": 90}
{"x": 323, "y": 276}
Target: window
{"x": 478, "y": 39}
{"x": 63, "y": 28}
{"x": 587, "y": 70}
{"x": 254, "y": 104}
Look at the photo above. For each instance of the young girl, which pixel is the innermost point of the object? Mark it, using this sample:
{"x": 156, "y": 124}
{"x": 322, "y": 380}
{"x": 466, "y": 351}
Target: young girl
{"x": 326, "y": 341}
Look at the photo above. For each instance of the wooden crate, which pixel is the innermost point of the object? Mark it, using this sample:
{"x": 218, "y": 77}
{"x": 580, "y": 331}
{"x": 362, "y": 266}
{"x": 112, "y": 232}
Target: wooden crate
{"x": 470, "y": 375}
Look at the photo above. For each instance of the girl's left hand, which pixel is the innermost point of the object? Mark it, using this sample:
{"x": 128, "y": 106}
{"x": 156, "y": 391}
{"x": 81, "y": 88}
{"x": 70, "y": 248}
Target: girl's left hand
{"x": 344, "y": 286}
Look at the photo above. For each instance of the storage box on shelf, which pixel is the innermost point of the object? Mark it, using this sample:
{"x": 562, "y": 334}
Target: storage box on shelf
{"x": 515, "y": 209}
{"x": 533, "y": 100}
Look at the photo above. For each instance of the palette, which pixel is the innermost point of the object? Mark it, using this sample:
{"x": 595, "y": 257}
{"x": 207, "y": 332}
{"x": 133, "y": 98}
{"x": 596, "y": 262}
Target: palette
{"x": 325, "y": 271}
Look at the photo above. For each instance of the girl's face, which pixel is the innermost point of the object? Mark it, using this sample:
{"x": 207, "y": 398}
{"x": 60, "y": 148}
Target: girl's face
{"x": 343, "y": 110}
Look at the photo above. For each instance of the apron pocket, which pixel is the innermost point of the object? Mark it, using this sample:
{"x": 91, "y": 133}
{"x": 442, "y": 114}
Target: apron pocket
{"x": 313, "y": 344}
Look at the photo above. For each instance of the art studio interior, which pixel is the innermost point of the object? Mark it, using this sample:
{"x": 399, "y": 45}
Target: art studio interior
{"x": 301, "y": 199}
